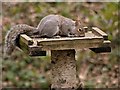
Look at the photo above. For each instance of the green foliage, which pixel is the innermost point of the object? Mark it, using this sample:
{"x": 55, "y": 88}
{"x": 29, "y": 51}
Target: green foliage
{"x": 24, "y": 72}
{"x": 89, "y": 85}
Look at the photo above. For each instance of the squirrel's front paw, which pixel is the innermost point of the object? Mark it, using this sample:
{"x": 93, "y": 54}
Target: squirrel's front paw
{"x": 72, "y": 36}
{"x": 57, "y": 36}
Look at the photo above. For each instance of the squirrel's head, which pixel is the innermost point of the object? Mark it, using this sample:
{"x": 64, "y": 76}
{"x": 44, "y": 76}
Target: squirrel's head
{"x": 79, "y": 30}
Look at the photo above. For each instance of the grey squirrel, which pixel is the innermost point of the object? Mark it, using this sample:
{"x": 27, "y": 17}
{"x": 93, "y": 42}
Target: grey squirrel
{"x": 49, "y": 26}
{"x": 52, "y": 25}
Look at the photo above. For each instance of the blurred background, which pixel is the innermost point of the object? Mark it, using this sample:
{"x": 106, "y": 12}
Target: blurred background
{"x": 94, "y": 70}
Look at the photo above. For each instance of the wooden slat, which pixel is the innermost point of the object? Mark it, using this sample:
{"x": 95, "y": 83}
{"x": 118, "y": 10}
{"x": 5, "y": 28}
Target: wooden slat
{"x": 36, "y": 51}
{"x": 69, "y": 43}
{"x": 106, "y": 43}
{"x": 26, "y": 39}
{"x": 29, "y": 46}
{"x": 99, "y": 32}
{"x": 24, "y": 42}
{"x": 104, "y": 47}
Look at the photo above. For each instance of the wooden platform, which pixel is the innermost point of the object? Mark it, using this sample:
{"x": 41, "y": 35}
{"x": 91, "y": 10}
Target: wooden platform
{"x": 94, "y": 39}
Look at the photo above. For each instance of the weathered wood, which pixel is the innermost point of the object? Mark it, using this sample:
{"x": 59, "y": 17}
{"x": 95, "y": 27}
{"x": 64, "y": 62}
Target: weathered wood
{"x": 38, "y": 46}
{"x": 69, "y": 43}
{"x": 26, "y": 39}
{"x": 99, "y": 32}
{"x": 103, "y": 48}
{"x": 94, "y": 38}
{"x": 106, "y": 43}
{"x": 63, "y": 70}
{"x": 36, "y": 51}
{"x": 24, "y": 43}
{"x": 29, "y": 46}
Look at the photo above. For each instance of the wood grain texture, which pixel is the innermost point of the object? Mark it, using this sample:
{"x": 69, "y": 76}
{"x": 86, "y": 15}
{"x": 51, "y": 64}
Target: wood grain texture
{"x": 70, "y": 43}
{"x": 99, "y": 32}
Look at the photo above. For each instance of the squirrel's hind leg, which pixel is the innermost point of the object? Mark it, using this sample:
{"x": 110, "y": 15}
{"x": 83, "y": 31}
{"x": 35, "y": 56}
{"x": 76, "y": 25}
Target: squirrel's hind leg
{"x": 50, "y": 29}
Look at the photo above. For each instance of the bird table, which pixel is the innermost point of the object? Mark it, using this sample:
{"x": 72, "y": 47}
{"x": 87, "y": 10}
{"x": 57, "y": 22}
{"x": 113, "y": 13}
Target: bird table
{"x": 63, "y": 63}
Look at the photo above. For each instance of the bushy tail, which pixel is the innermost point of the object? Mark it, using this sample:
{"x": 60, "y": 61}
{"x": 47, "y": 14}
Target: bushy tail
{"x": 12, "y": 35}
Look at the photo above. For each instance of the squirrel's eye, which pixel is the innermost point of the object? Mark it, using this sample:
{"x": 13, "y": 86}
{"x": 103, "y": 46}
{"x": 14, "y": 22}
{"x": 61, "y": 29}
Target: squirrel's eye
{"x": 79, "y": 30}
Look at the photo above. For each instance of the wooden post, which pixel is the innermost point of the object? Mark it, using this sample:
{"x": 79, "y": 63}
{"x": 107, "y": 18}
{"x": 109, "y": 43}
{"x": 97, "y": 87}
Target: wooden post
{"x": 63, "y": 69}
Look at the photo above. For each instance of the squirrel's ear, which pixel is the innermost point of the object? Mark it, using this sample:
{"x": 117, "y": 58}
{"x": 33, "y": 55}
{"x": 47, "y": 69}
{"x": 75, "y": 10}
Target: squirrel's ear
{"x": 77, "y": 23}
